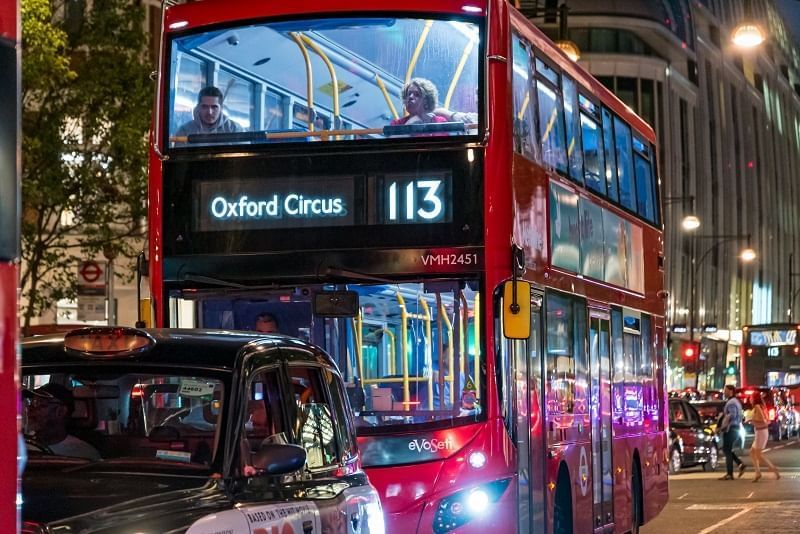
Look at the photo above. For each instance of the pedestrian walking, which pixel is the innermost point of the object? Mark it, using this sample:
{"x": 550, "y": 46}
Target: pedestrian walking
{"x": 729, "y": 429}
{"x": 761, "y": 427}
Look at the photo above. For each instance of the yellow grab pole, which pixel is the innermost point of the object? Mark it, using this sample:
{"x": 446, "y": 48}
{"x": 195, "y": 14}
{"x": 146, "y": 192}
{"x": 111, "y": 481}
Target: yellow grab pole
{"x": 334, "y": 81}
{"x": 404, "y": 347}
{"x": 449, "y": 326}
{"x": 459, "y": 70}
{"x": 420, "y": 43}
{"x": 382, "y": 87}
{"x": 392, "y": 351}
{"x": 309, "y": 80}
{"x": 426, "y": 313}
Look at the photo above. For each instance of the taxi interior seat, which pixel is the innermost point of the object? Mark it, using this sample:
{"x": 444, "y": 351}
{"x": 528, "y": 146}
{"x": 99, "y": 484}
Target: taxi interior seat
{"x": 83, "y": 421}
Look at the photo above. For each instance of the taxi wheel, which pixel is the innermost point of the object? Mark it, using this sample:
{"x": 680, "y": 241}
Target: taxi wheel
{"x": 674, "y": 461}
{"x": 713, "y": 459}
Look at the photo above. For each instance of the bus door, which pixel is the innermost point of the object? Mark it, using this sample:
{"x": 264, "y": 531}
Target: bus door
{"x": 530, "y": 430}
{"x": 600, "y": 365}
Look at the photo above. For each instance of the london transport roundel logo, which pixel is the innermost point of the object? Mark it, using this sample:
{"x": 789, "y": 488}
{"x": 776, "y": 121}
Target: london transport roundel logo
{"x": 90, "y": 271}
{"x": 583, "y": 472}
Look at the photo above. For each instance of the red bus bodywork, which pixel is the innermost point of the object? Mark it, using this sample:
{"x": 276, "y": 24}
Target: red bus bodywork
{"x": 411, "y": 493}
{"x": 9, "y": 325}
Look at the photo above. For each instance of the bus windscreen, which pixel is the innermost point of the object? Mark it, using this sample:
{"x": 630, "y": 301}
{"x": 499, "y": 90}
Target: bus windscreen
{"x": 332, "y": 79}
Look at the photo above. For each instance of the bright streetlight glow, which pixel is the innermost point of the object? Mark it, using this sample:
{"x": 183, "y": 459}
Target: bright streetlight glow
{"x": 748, "y": 35}
{"x": 690, "y": 223}
{"x": 748, "y": 254}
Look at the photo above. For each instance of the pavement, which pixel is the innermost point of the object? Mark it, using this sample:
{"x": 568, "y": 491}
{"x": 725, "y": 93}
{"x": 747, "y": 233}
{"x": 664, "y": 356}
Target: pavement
{"x": 700, "y": 503}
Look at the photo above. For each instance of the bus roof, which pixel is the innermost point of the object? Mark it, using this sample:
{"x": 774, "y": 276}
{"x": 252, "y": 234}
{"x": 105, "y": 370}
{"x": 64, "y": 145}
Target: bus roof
{"x": 208, "y": 12}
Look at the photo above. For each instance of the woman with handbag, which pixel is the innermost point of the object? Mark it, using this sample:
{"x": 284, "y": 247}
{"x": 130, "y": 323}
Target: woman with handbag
{"x": 761, "y": 427}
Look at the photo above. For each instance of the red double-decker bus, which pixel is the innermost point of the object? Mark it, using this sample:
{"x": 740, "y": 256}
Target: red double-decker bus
{"x": 463, "y": 218}
{"x": 9, "y": 256}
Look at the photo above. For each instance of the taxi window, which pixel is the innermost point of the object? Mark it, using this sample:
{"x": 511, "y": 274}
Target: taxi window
{"x": 344, "y": 417}
{"x": 167, "y": 417}
{"x": 265, "y": 418}
{"x": 314, "y": 423}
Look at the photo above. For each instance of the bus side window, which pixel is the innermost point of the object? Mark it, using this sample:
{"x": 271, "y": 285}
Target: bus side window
{"x": 610, "y": 154}
{"x": 523, "y": 105}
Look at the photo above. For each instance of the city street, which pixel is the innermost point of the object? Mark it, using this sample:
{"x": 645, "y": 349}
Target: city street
{"x": 700, "y": 503}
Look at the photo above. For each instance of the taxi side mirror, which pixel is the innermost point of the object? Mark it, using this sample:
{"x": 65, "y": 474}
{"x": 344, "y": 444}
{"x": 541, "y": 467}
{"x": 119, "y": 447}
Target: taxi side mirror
{"x": 279, "y": 458}
{"x": 517, "y": 309}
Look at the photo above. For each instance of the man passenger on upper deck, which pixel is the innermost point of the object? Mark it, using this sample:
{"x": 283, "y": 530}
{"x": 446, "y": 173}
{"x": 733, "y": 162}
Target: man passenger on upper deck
{"x": 208, "y": 115}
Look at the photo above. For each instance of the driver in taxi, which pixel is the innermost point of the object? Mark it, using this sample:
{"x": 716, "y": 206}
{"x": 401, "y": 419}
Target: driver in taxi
{"x": 49, "y": 410}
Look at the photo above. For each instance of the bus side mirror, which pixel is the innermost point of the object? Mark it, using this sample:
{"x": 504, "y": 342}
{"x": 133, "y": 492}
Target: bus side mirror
{"x": 517, "y": 310}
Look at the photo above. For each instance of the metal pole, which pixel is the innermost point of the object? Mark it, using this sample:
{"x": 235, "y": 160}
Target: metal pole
{"x": 791, "y": 289}
{"x": 112, "y": 308}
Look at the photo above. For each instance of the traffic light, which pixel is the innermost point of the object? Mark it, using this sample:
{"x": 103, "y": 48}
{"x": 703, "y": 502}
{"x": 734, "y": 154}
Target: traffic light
{"x": 731, "y": 369}
{"x": 690, "y": 351}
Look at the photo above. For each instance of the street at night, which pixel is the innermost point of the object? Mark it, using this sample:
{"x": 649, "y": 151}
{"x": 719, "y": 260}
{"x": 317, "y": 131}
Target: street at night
{"x": 701, "y": 503}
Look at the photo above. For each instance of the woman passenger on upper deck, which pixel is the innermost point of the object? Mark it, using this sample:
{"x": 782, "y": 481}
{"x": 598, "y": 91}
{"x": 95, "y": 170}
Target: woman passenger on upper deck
{"x": 420, "y": 98}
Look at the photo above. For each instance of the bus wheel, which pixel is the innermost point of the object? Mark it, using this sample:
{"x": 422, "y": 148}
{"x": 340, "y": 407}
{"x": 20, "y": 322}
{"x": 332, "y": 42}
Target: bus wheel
{"x": 637, "y": 515}
{"x": 562, "y": 514}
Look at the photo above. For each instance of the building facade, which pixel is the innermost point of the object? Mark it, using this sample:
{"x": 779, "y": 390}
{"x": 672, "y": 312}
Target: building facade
{"x": 728, "y": 124}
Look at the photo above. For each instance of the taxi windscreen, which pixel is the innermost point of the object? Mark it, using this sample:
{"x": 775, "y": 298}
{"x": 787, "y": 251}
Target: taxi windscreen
{"x": 332, "y": 79}
{"x": 163, "y": 418}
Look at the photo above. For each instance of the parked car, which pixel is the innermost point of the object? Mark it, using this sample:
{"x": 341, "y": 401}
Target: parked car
{"x": 692, "y": 442}
{"x": 778, "y": 413}
{"x": 188, "y": 431}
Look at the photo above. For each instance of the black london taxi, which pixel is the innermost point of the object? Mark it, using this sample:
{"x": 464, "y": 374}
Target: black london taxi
{"x": 130, "y": 430}
{"x": 692, "y": 442}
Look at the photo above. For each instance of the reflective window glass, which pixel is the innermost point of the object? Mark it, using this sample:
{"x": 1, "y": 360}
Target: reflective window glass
{"x": 622, "y": 137}
{"x": 573, "y": 130}
{"x": 551, "y": 128}
{"x": 610, "y": 156}
{"x": 593, "y": 157}
{"x": 523, "y": 106}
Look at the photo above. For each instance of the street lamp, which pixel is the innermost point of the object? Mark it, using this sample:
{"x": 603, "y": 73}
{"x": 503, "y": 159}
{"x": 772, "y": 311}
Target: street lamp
{"x": 690, "y": 222}
{"x": 745, "y": 255}
{"x": 748, "y": 33}
{"x": 562, "y": 42}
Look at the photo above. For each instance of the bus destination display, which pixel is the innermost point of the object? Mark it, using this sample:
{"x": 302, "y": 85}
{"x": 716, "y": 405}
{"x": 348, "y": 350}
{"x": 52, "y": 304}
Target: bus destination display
{"x": 325, "y": 201}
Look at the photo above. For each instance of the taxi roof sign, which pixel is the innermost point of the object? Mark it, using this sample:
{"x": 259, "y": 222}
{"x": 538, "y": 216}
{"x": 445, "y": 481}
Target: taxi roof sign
{"x": 108, "y": 341}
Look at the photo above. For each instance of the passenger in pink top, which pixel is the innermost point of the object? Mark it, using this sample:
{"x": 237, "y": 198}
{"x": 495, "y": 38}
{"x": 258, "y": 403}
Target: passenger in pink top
{"x": 420, "y": 99}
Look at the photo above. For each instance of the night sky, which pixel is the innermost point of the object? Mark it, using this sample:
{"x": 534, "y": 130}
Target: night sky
{"x": 791, "y": 13}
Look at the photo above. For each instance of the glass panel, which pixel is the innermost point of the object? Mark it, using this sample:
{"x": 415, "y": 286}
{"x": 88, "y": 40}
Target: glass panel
{"x": 551, "y": 128}
{"x": 190, "y": 78}
{"x": 622, "y": 135}
{"x": 593, "y": 157}
{"x": 167, "y": 418}
{"x": 573, "y": 129}
{"x": 609, "y": 151}
{"x": 264, "y": 420}
{"x": 396, "y": 357}
{"x": 645, "y": 200}
{"x": 370, "y": 58}
{"x": 523, "y": 107}
{"x": 560, "y": 389}
{"x": 314, "y": 424}
{"x": 238, "y": 101}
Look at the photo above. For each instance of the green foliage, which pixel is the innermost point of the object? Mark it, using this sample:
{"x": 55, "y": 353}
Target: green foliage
{"x": 86, "y": 99}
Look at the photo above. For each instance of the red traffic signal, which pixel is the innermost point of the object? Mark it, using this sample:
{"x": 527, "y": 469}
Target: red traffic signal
{"x": 689, "y": 354}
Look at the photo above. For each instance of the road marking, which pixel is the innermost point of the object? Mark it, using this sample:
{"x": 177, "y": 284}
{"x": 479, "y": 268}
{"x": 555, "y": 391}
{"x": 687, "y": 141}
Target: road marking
{"x": 725, "y": 521}
{"x": 682, "y": 496}
{"x": 751, "y": 494}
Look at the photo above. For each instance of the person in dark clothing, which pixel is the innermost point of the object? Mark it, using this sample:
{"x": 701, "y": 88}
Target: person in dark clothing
{"x": 208, "y": 117}
{"x": 729, "y": 428}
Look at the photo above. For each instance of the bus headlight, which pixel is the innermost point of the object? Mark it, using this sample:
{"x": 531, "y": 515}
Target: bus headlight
{"x": 477, "y": 459}
{"x": 462, "y": 507}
